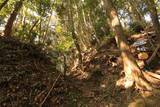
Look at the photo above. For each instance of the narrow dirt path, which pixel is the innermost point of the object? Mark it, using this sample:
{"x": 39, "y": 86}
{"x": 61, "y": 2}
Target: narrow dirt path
{"x": 99, "y": 89}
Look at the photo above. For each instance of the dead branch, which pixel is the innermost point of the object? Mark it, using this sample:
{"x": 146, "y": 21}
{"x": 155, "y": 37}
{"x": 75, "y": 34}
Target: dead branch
{"x": 153, "y": 55}
{"x": 41, "y": 104}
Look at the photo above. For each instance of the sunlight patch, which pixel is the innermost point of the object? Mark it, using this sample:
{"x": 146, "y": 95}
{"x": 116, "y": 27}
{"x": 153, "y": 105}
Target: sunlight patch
{"x": 128, "y": 84}
{"x": 84, "y": 75}
{"x": 123, "y": 82}
{"x": 103, "y": 85}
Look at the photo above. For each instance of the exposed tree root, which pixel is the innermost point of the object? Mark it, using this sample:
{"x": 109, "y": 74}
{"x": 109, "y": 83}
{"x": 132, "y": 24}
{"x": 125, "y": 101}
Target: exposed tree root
{"x": 144, "y": 80}
{"x": 143, "y": 84}
{"x": 157, "y": 76}
{"x": 151, "y": 79}
{"x": 148, "y": 82}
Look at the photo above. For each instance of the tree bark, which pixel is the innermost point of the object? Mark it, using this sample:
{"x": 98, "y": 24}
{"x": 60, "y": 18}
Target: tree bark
{"x": 74, "y": 36}
{"x": 12, "y": 18}
{"x": 80, "y": 28}
{"x": 136, "y": 15}
{"x": 156, "y": 24}
{"x": 3, "y": 4}
{"x": 154, "y": 16}
{"x": 131, "y": 69}
{"x": 35, "y": 23}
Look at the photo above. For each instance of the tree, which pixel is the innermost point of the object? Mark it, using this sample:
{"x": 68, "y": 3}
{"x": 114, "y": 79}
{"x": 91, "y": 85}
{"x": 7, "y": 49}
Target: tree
{"x": 74, "y": 36}
{"x": 154, "y": 16}
{"x": 30, "y": 31}
{"x": 134, "y": 12}
{"x": 3, "y": 4}
{"x": 143, "y": 80}
{"x": 12, "y": 18}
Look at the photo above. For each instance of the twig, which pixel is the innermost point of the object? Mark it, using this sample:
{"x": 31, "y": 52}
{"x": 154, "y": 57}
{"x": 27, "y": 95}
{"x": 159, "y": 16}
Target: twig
{"x": 41, "y": 104}
{"x": 39, "y": 95}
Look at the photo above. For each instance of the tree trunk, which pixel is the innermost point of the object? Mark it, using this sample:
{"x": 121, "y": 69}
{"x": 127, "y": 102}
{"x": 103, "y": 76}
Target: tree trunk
{"x": 74, "y": 36}
{"x": 135, "y": 13}
{"x": 3, "y": 4}
{"x": 85, "y": 26}
{"x": 79, "y": 29}
{"x": 35, "y": 23}
{"x": 131, "y": 69}
{"x": 12, "y": 18}
{"x": 154, "y": 16}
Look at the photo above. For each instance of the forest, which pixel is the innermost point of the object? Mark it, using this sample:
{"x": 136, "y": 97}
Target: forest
{"x": 79, "y": 53}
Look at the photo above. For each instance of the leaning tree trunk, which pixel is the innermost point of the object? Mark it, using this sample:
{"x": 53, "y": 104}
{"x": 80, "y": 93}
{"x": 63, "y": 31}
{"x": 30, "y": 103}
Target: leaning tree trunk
{"x": 133, "y": 73}
{"x": 3, "y": 4}
{"x": 12, "y": 18}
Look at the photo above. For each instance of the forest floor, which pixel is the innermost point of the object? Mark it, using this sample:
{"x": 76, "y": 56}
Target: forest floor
{"x": 28, "y": 78}
{"x": 99, "y": 88}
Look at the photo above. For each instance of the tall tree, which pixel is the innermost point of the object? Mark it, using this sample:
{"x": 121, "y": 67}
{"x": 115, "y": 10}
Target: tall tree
{"x": 3, "y": 4}
{"x": 12, "y": 18}
{"x": 135, "y": 12}
{"x": 73, "y": 33}
{"x": 132, "y": 71}
{"x": 154, "y": 16}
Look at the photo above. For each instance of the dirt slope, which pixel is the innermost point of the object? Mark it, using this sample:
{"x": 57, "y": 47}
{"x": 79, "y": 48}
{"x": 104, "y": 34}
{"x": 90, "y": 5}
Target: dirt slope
{"x": 25, "y": 72}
